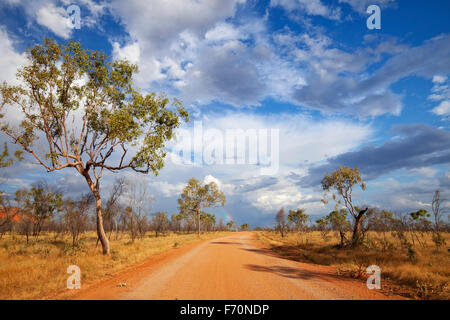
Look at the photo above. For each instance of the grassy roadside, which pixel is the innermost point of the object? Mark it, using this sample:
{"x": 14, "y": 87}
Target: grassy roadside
{"x": 39, "y": 269}
{"x": 425, "y": 274}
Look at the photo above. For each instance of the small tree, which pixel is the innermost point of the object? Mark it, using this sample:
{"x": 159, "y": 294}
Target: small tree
{"x": 244, "y": 227}
{"x": 437, "y": 210}
{"x": 298, "y": 218}
{"x": 197, "y": 196}
{"x": 39, "y": 204}
{"x": 342, "y": 181}
{"x": 112, "y": 207}
{"x": 231, "y": 225}
{"x": 208, "y": 221}
{"x": 323, "y": 225}
{"x": 281, "y": 224}
{"x": 76, "y": 215}
{"x": 130, "y": 222}
{"x": 175, "y": 222}
{"x": 160, "y": 222}
{"x": 88, "y": 116}
{"x": 339, "y": 223}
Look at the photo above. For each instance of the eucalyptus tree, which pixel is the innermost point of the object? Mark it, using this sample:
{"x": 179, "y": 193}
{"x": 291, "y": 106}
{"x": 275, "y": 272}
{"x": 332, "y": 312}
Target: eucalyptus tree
{"x": 80, "y": 110}
{"x": 342, "y": 181}
{"x": 197, "y": 196}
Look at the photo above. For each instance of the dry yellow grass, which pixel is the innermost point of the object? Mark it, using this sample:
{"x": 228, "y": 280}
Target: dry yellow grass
{"x": 38, "y": 269}
{"x": 425, "y": 274}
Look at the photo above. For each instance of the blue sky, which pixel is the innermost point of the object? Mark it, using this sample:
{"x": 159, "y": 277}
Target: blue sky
{"x": 339, "y": 93}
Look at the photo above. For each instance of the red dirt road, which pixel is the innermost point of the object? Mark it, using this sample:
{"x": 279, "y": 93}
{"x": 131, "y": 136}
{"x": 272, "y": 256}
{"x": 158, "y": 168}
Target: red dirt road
{"x": 232, "y": 267}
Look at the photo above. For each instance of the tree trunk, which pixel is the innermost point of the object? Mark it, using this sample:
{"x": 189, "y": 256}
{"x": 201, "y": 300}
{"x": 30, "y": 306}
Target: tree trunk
{"x": 98, "y": 204}
{"x": 342, "y": 235}
{"x": 100, "y": 231}
{"x": 356, "y": 237}
{"x": 198, "y": 223}
{"x": 356, "y": 232}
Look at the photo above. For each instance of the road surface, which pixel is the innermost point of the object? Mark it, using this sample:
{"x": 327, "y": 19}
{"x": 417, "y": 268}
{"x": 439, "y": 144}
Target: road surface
{"x": 228, "y": 268}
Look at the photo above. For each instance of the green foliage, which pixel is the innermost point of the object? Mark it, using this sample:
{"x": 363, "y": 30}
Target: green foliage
{"x": 39, "y": 204}
{"x": 231, "y": 225}
{"x": 298, "y": 218}
{"x": 422, "y": 213}
{"x": 90, "y": 117}
{"x": 59, "y": 81}
{"x": 244, "y": 227}
{"x": 5, "y": 161}
{"x": 343, "y": 180}
{"x": 197, "y": 196}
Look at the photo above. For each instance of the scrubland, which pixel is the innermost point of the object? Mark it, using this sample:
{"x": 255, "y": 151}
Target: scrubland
{"x": 420, "y": 272}
{"x": 38, "y": 269}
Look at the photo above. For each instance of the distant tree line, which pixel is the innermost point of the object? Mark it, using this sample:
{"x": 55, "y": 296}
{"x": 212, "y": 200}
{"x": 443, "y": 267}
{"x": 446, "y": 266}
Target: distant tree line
{"x": 127, "y": 210}
{"x": 409, "y": 228}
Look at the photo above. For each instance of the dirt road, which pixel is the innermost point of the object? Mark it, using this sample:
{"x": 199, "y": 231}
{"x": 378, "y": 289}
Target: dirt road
{"x": 232, "y": 267}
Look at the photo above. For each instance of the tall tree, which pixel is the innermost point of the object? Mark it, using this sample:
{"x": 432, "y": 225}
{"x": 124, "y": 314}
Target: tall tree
{"x": 83, "y": 111}
{"x": 342, "y": 181}
{"x": 197, "y": 196}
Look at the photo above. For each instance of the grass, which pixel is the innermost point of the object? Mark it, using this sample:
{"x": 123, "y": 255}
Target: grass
{"x": 423, "y": 273}
{"x": 38, "y": 269}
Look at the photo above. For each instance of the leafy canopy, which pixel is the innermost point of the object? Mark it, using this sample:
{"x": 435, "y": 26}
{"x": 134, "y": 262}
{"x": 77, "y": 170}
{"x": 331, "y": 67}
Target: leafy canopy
{"x": 84, "y": 108}
{"x": 196, "y": 196}
{"x": 343, "y": 180}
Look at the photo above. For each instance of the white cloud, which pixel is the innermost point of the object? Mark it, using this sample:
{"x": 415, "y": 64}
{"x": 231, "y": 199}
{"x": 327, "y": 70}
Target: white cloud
{"x": 55, "y": 19}
{"x": 167, "y": 189}
{"x": 130, "y": 52}
{"x": 439, "y": 79}
{"x": 10, "y": 60}
{"x": 426, "y": 172}
{"x": 443, "y": 109}
{"x": 310, "y": 7}
{"x": 225, "y": 188}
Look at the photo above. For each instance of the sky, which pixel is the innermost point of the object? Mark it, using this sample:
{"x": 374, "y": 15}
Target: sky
{"x": 309, "y": 74}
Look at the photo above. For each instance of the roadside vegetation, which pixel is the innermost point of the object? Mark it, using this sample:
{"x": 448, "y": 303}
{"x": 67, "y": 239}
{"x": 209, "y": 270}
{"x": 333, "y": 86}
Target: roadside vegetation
{"x": 411, "y": 248}
{"x": 38, "y": 269}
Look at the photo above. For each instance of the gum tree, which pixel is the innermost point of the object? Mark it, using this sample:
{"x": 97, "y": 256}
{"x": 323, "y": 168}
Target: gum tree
{"x": 342, "y": 181}
{"x": 80, "y": 110}
{"x": 197, "y": 196}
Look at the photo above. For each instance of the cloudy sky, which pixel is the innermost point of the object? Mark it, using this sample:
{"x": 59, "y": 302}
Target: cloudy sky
{"x": 337, "y": 92}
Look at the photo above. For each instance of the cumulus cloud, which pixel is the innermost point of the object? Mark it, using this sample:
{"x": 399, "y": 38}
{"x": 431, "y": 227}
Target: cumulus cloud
{"x": 443, "y": 109}
{"x": 55, "y": 19}
{"x": 329, "y": 89}
{"x": 53, "y": 15}
{"x": 10, "y": 60}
